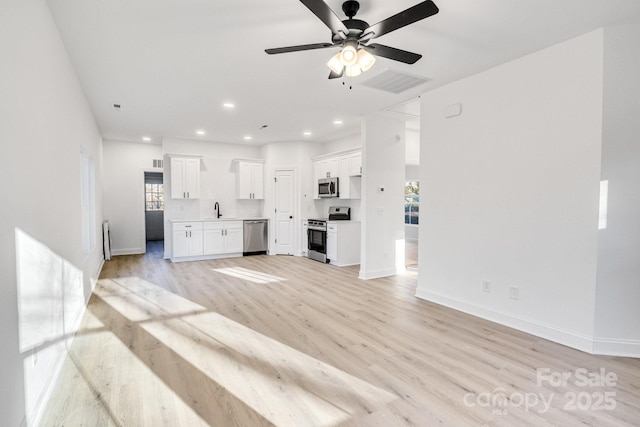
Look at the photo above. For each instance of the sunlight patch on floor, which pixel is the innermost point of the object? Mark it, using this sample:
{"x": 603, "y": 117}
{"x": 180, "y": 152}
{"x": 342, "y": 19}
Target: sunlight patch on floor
{"x": 281, "y": 384}
{"x": 250, "y": 275}
{"x": 129, "y": 394}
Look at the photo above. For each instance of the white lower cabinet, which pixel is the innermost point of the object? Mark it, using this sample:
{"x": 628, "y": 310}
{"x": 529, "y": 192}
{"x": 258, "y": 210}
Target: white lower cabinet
{"x": 332, "y": 243}
{"x": 305, "y": 238}
{"x": 223, "y": 237}
{"x": 343, "y": 242}
{"x": 187, "y": 239}
{"x": 198, "y": 240}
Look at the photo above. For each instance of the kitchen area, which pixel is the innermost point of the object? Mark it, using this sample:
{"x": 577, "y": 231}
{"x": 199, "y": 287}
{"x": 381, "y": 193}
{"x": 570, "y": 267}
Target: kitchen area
{"x": 218, "y": 206}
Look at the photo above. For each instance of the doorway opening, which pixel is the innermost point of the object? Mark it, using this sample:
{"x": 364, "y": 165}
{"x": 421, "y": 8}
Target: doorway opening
{"x": 154, "y": 212}
{"x": 411, "y": 222}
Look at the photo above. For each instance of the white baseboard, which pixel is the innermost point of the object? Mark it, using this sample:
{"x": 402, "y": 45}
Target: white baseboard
{"x": 376, "y": 274}
{"x": 616, "y": 347}
{"x": 129, "y": 251}
{"x": 549, "y": 332}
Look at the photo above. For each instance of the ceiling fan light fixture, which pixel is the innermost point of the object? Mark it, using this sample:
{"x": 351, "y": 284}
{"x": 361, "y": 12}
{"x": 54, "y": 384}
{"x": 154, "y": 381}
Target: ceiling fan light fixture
{"x": 353, "y": 70}
{"x": 335, "y": 64}
{"x": 365, "y": 60}
{"x": 349, "y": 54}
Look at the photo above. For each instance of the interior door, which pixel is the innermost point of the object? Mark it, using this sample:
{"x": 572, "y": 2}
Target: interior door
{"x": 284, "y": 223}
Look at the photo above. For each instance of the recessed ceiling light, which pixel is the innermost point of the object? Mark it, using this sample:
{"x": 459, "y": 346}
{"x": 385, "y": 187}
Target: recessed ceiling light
{"x": 248, "y": 137}
{"x": 337, "y": 122}
{"x": 200, "y": 132}
{"x": 307, "y": 133}
{"x": 228, "y": 105}
{"x": 146, "y": 138}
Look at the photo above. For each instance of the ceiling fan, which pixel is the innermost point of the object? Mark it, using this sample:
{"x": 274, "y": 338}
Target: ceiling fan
{"x": 353, "y": 35}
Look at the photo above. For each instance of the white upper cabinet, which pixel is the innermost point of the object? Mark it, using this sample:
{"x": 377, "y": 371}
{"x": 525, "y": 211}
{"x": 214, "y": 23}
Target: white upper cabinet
{"x": 346, "y": 166}
{"x": 327, "y": 168}
{"x": 355, "y": 164}
{"x": 185, "y": 178}
{"x": 250, "y": 179}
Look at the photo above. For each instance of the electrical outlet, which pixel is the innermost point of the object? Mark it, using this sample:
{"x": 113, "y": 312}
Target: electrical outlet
{"x": 486, "y": 286}
{"x": 514, "y": 292}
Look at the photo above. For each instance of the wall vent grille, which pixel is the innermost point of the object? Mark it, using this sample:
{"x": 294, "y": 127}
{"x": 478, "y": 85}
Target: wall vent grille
{"x": 394, "y": 82}
{"x": 158, "y": 163}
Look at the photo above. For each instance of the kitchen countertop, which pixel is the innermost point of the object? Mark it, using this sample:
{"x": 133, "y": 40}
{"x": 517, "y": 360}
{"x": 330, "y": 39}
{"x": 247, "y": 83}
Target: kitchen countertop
{"x": 222, "y": 218}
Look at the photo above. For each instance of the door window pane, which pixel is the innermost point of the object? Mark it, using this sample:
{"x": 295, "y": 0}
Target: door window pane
{"x": 411, "y": 202}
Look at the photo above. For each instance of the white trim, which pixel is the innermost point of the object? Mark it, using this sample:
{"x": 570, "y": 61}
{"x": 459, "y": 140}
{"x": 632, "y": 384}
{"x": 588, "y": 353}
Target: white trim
{"x": 143, "y": 231}
{"x": 616, "y": 347}
{"x": 336, "y": 153}
{"x": 207, "y": 257}
{"x": 193, "y": 156}
{"x": 128, "y": 251}
{"x": 296, "y": 210}
{"x": 551, "y": 333}
{"x": 236, "y": 160}
{"x": 376, "y": 274}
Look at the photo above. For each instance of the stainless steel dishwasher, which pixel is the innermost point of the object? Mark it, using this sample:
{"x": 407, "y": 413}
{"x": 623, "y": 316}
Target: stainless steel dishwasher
{"x": 256, "y": 236}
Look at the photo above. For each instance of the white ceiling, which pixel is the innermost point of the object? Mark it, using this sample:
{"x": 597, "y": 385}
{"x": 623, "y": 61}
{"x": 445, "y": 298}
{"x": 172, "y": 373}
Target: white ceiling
{"x": 171, "y": 64}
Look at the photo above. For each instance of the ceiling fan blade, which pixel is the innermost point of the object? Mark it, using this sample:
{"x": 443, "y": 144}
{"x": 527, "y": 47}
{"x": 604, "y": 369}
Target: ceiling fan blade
{"x": 409, "y": 16}
{"x": 334, "y": 75}
{"x": 298, "y": 48}
{"x": 392, "y": 53}
{"x": 326, "y": 15}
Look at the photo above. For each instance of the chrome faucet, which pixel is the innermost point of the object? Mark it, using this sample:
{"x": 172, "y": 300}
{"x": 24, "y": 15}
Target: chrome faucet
{"x": 216, "y": 208}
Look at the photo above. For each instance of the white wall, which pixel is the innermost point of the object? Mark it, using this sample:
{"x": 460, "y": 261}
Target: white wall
{"x": 618, "y": 292}
{"x": 382, "y": 212}
{"x": 412, "y": 147}
{"x": 124, "y": 166}
{"x": 217, "y": 183}
{"x": 512, "y": 187}
{"x": 45, "y": 122}
{"x": 344, "y": 143}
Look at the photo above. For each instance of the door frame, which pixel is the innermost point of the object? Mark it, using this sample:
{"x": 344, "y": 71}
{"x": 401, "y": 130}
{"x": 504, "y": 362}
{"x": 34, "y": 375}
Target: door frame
{"x": 296, "y": 211}
{"x": 143, "y": 204}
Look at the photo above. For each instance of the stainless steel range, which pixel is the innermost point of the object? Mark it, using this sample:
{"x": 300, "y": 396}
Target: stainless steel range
{"x": 317, "y": 232}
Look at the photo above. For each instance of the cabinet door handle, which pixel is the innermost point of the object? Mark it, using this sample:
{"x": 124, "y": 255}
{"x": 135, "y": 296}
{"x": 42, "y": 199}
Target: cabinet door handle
{"x": 186, "y": 234}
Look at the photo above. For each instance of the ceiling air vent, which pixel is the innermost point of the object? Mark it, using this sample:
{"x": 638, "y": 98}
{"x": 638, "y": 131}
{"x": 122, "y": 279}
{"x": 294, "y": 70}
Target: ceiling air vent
{"x": 394, "y": 82}
{"x": 158, "y": 163}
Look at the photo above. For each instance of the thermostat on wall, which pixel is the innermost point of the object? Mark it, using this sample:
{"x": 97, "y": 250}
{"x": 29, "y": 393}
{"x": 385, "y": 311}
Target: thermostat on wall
{"x": 452, "y": 110}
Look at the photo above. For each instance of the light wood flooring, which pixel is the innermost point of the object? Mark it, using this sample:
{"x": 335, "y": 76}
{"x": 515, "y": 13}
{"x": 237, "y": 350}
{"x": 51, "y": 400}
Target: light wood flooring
{"x": 287, "y": 341}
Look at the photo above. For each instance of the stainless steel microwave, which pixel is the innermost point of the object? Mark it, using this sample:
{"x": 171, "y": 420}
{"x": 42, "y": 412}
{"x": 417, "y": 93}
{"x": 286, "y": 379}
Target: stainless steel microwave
{"x": 328, "y": 187}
